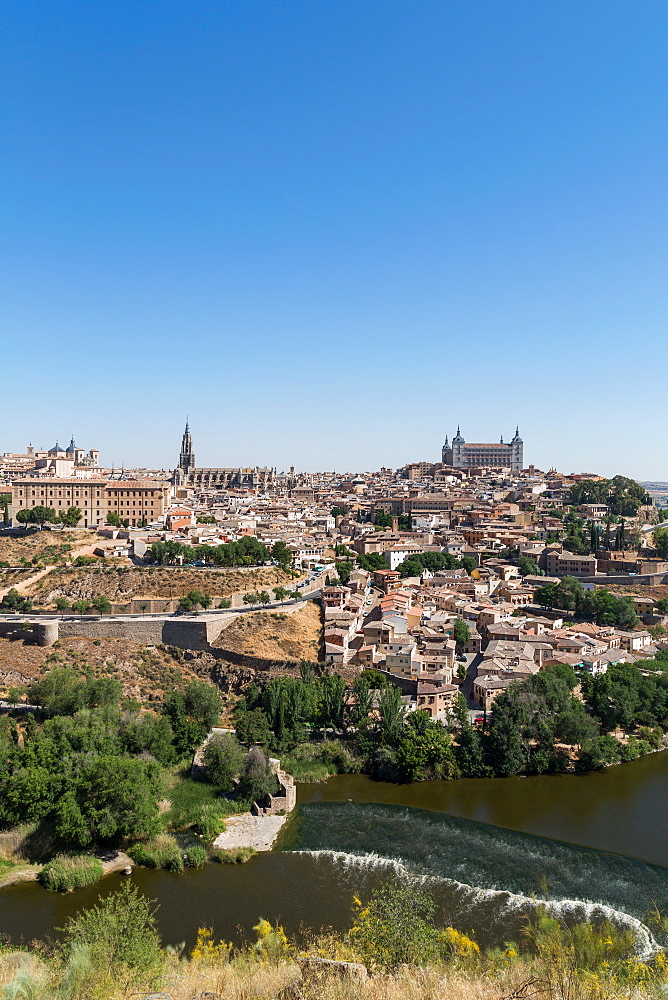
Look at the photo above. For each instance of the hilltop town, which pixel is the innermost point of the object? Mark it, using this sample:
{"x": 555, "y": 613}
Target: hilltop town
{"x": 454, "y": 579}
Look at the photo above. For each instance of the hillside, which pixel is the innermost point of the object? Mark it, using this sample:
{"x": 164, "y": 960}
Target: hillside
{"x": 123, "y": 582}
{"x": 276, "y": 635}
{"x": 48, "y": 547}
{"x": 145, "y": 672}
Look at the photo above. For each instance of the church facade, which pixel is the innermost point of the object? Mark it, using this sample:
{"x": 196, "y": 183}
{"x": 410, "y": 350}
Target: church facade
{"x": 460, "y": 455}
{"x": 187, "y": 474}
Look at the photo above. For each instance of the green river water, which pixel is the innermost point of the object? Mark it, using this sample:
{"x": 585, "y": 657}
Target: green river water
{"x": 590, "y": 844}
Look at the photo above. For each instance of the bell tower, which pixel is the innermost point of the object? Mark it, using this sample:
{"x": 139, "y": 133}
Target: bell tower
{"x": 187, "y": 456}
{"x": 517, "y": 452}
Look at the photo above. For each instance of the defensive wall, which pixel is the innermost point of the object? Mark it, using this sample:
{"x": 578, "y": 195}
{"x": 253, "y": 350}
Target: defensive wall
{"x": 626, "y": 579}
{"x": 196, "y": 632}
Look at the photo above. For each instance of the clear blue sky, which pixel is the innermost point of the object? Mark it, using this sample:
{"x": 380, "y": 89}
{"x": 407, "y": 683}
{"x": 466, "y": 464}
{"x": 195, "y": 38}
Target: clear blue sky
{"x": 330, "y": 230}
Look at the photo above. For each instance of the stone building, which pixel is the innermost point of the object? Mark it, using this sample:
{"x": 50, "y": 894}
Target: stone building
{"x": 460, "y": 455}
{"x": 134, "y": 500}
{"x": 187, "y": 474}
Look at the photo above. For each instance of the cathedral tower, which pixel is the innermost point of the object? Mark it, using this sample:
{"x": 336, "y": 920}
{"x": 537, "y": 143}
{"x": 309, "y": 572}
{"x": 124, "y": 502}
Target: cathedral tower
{"x": 187, "y": 456}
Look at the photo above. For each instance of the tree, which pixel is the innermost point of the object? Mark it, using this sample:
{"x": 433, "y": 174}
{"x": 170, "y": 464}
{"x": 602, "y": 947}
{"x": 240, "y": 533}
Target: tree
{"x": 252, "y": 726}
{"x": 42, "y": 515}
{"x": 114, "y": 519}
{"x": 62, "y": 604}
{"x": 598, "y": 752}
{"x": 339, "y": 511}
{"x": 5, "y": 514}
{"x": 70, "y": 517}
{"x": 574, "y": 726}
{"x": 461, "y": 633}
{"x": 344, "y": 569}
{"x": 528, "y": 567}
{"x": 223, "y": 760}
{"x": 117, "y": 797}
{"x": 148, "y": 733}
{"x": 372, "y": 561}
{"x": 24, "y": 517}
{"x": 194, "y": 598}
{"x": 14, "y": 695}
{"x": 252, "y": 598}
{"x": 102, "y": 604}
{"x": 505, "y": 751}
{"x": 13, "y": 601}
{"x": 332, "y": 690}
{"x": 81, "y": 607}
{"x": 361, "y": 707}
{"x": 470, "y": 754}
{"x": 281, "y": 554}
{"x": 203, "y": 703}
{"x": 424, "y": 750}
{"x": 256, "y": 780}
{"x": 280, "y": 593}
{"x": 661, "y": 542}
{"x": 410, "y": 567}
{"x": 391, "y": 712}
{"x": 264, "y": 597}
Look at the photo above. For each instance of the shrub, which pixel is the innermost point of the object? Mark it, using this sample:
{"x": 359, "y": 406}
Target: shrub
{"x": 209, "y": 821}
{"x": 67, "y": 872}
{"x": 121, "y": 938}
{"x": 223, "y": 758}
{"x": 195, "y": 856}
{"x": 161, "y": 852}
{"x": 235, "y": 855}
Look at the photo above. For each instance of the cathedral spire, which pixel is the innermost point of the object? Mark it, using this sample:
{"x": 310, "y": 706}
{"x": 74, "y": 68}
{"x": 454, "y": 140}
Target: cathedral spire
{"x": 187, "y": 456}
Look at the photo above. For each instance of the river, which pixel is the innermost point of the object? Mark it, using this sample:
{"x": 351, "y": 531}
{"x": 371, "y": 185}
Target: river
{"x": 591, "y": 844}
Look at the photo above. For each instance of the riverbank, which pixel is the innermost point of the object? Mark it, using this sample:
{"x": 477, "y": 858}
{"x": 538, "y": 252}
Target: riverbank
{"x": 395, "y": 945}
{"x": 115, "y": 861}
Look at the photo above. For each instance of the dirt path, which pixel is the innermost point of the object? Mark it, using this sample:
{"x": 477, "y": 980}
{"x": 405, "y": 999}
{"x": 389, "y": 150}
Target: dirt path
{"x": 84, "y": 550}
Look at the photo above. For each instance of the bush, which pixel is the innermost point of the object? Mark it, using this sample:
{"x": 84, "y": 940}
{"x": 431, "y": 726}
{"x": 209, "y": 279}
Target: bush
{"x": 121, "y": 939}
{"x": 235, "y": 855}
{"x": 223, "y": 758}
{"x": 195, "y": 856}
{"x": 67, "y": 872}
{"x": 209, "y": 821}
{"x": 161, "y": 852}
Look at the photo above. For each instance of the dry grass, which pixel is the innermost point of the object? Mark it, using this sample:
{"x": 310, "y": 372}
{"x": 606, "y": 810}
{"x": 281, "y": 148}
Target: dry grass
{"x": 247, "y": 978}
{"x": 15, "y": 546}
{"x": 276, "y": 635}
{"x": 144, "y": 673}
{"x": 125, "y": 582}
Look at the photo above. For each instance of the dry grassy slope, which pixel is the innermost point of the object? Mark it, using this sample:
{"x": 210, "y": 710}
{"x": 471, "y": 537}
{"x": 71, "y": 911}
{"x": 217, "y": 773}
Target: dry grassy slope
{"x": 16, "y": 546}
{"x": 276, "y": 635}
{"x": 145, "y": 673}
{"x": 124, "y": 582}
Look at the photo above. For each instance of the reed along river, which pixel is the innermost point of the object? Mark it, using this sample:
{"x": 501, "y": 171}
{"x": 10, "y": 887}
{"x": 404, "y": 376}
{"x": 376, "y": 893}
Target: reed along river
{"x": 589, "y": 845}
